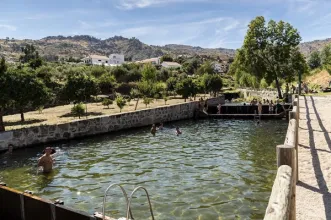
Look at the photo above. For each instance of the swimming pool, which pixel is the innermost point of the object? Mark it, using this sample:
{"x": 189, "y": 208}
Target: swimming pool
{"x": 218, "y": 169}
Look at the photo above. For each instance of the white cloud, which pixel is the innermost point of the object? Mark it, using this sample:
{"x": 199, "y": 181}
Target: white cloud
{"x": 131, "y": 4}
{"x": 8, "y": 27}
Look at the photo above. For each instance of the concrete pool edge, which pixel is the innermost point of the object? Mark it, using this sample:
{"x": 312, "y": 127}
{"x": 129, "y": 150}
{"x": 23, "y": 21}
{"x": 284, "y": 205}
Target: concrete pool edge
{"x": 44, "y": 134}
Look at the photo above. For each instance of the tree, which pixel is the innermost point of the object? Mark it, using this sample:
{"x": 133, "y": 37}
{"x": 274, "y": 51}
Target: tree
{"x": 78, "y": 110}
{"x": 166, "y": 58}
{"x": 326, "y": 58}
{"x": 135, "y": 94}
{"x": 120, "y": 102}
{"x": 79, "y": 87}
{"x": 107, "y": 102}
{"x": 171, "y": 83}
{"x": 31, "y": 56}
{"x": 5, "y": 86}
{"x": 314, "y": 60}
{"x": 212, "y": 83}
{"x": 29, "y": 90}
{"x": 106, "y": 83}
{"x": 147, "y": 101}
{"x": 206, "y": 68}
{"x": 165, "y": 98}
{"x": 263, "y": 84}
{"x": 149, "y": 73}
{"x": 270, "y": 52}
{"x": 185, "y": 88}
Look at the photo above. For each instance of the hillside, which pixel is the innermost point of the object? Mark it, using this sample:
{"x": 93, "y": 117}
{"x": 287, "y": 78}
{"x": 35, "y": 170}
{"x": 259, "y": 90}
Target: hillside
{"x": 308, "y": 47}
{"x": 82, "y": 45}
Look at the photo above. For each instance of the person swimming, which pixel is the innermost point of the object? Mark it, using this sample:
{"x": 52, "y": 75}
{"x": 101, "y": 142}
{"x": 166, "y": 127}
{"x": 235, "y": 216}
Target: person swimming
{"x": 160, "y": 126}
{"x": 46, "y": 161}
{"x": 10, "y": 149}
{"x": 178, "y": 132}
{"x": 153, "y": 130}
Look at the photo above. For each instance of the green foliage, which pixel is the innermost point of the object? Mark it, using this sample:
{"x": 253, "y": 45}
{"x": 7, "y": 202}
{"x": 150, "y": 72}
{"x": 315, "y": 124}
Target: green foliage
{"x": 149, "y": 73}
{"x": 171, "y": 83}
{"x": 314, "y": 60}
{"x": 120, "y": 102}
{"x": 107, "y": 102}
{"x": 326, "y": 58}
{"x": 78, "y": 110}
{"x": 166, "y": 58}
{"x": 107, "y": 83}
{"x": 190, "y": 66}
{"x": 206, "y": 68}
{"x": 212, "y": 83}
{"x": 186, "y": 88}
{"x": 263, "y": 84}
{"x": 79, "y": 87}
{"x": 163, "y": 75}
{"x": 29, "y": 90}
{"x": 40, "y": 109}
{"x": 270, "y": 52}
{"x": 134, "y": 94}
{"x": 147, "y": 101}
{"x": 165, "y": 97}
{"x": 5, "y": 86}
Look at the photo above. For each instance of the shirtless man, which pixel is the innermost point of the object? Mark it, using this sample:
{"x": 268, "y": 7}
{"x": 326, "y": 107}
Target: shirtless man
{"x": 46, "y": 161}
{"x": 153, "y": 130}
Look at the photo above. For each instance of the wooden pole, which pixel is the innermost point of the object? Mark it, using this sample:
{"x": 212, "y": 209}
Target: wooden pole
{"x": 279, "y": 206}
{"x": 286, "y": 156}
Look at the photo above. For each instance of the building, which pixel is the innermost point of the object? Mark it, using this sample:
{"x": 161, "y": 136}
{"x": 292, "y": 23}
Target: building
{"x": 221, "y": 67}
{"x": 154, "y": 61}
{"x": 171, "y": 65}
{"x": 116, "y": 59}
{"x": 96, "y": 60}
{"x": 112, "y": 60}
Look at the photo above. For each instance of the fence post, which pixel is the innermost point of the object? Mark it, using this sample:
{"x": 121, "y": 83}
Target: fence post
{"x": 286, "y": 156}
{"x": 293, "y": 115}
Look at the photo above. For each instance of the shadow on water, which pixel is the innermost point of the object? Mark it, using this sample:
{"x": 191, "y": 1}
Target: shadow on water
{"x": 323, "y": 189}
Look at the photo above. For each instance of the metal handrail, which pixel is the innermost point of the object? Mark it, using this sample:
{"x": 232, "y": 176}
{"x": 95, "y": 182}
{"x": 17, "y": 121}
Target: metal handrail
{"x": 105, "y": 196}
{"x": 129, "y": 203}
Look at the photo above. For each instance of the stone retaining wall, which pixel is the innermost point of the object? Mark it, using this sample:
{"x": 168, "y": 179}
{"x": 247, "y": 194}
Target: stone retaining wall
{"x": 103, "y": 124}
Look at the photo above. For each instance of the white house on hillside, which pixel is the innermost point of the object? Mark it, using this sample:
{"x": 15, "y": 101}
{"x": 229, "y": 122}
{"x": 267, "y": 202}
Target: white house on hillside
{"x": 112, "y": 60}
{"x": 171, "y": 65}
{"x": 116, "y": 59}
{"x": 96, "y": 60}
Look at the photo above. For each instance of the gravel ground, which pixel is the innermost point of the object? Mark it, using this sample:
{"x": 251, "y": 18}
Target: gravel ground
{"x": 313, "y": 190}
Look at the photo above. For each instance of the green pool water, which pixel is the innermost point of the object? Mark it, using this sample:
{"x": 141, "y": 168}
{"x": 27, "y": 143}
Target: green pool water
{"x": 217, "y": 169}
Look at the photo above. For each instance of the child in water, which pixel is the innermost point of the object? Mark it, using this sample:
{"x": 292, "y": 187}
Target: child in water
{"x": 178, "y": 132}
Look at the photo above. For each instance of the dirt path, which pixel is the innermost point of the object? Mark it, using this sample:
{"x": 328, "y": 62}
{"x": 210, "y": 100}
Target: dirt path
{"x": 314, "y": 188}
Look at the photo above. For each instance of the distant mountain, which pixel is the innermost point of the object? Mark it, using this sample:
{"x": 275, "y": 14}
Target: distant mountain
{"x": 82, "y": 45}
{"x": 317, "y": 45}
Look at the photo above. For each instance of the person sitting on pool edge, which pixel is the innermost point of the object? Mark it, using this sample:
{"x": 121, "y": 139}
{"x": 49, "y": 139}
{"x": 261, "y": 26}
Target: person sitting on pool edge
{"x": 178, "y": 132}
{"x": 153, "y": 130}
{"x": 46, "y": 161}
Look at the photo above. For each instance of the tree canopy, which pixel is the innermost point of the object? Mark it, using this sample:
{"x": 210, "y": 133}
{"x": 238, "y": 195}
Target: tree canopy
{"x": 270, "y": 51}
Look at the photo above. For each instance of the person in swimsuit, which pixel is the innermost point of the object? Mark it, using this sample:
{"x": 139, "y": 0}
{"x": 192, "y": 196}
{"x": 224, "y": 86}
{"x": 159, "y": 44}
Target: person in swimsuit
{"x": 178, "y": 132}
{"x": 153, "y": 130}
{"x": 46, "y": 161}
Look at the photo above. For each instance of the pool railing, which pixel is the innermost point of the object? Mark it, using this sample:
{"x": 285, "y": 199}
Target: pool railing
{"x": 281, "y": 204}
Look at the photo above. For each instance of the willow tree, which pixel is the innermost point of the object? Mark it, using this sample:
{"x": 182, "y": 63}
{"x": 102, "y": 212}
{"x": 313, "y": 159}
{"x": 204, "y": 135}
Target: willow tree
{"x": 270, "y": 51}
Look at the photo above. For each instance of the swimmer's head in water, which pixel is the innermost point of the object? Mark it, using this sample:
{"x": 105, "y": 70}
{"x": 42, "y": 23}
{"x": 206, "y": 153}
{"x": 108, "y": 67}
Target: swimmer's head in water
{"x": 10, "y": 148}
{"x": 49, "y": 150}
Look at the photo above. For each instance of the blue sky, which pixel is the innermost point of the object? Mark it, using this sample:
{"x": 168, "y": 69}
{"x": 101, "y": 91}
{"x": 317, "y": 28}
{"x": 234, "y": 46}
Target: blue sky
{"x": 205, "y": 23}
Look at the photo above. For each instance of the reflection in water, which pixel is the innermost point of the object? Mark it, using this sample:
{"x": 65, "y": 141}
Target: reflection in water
{"x": 216, "y": 168}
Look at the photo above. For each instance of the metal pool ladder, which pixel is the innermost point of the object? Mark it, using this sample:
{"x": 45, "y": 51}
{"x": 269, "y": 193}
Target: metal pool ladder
{"x": 128, "y": 201}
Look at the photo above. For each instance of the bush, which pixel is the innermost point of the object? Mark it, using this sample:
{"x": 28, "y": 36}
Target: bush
{"x": 125, "y": 88}
{"x": 78, "y": 110}
{"x": 121, "y": 102}
{"x": 107, "y": 102}
{"x": 147, "y": 101}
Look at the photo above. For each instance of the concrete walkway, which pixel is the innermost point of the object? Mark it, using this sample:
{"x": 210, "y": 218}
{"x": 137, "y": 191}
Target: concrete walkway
{"x": 313, "y": 199}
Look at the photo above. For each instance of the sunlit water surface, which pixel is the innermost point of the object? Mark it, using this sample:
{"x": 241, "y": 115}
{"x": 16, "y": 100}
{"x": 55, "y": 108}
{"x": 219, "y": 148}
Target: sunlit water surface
{"x": 218, "y": 169}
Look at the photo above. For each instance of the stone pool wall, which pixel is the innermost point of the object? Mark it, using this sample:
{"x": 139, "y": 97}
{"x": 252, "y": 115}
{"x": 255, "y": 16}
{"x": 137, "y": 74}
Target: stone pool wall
{"x": 103, "y": 124}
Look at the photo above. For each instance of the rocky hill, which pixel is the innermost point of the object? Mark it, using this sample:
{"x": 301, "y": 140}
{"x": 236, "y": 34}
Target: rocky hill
{"x": 308, "y": 47}
{"x": 54, "y": 47}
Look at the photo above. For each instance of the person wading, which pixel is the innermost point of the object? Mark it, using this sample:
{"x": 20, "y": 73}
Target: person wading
{"x": 46, "y": 161}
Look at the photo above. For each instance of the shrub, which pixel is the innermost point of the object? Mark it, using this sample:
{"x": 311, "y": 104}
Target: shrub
{"x": 121, "y": 102}
{"x": 107, "y": 102}
{"x": 147, "y": 101}
{"x": 78, "y": 110}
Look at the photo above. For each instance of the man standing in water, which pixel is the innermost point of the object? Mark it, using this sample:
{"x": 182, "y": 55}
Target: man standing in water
{"x": 46, "y": 161}
{"x": 153, "y": 130}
